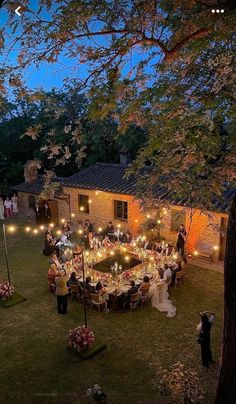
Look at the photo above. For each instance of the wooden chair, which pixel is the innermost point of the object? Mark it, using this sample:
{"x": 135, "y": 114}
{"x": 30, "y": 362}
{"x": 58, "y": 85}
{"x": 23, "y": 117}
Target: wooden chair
{"x": 51, "y": 284}
{"x": 144, "y": 296}
{"x": 96, "y": 299}
{"x": 178, "y": 276}
{"x": 74, "y": 290}
{"x": 134, "y": 298}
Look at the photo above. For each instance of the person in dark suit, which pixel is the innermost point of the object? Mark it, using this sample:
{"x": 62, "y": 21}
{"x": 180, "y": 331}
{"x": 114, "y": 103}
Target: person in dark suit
{"x": 47, "y": 213}
{"x": 127, "y": 238}
{"x": 181, "y": 234}
{"x": 38, "y": 214}
{"x": 132, "y": 290}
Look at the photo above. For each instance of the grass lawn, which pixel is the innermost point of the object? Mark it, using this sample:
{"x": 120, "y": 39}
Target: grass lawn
{"x": 36, "y": 367}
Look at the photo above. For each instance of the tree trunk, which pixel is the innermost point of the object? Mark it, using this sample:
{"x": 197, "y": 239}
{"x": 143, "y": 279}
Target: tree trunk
{"x": 226, "y": 388}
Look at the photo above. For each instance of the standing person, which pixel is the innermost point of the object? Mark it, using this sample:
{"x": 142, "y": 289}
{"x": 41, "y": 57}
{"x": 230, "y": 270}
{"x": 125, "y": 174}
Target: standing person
{"x": 181, "y": 234}
{"x": 8, "y": 207}
{"x": 204, "y": 338}
{"x": 38, "y": 214}
{"x": 1, "y": 209}
{"x": 47, "y": 213}
{"x": 61, "y": 292}
{"x": 15, "y": 205}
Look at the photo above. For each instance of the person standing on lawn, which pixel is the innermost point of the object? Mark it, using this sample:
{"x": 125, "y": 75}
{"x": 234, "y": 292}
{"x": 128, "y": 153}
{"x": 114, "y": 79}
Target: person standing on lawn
{"x": 61, "y": 292}
{"x": 204, "y": 338}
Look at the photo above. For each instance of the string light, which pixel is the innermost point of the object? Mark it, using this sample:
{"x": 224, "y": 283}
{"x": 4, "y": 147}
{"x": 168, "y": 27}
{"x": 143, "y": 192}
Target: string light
{"x": 11, "y": 228}
{"x": 111, "y": 252}
{"x": 59, "y": 232}
{"x": 159, "y": 221}
{"x": 81, "y": 208}
{"x": 27, "y": 229}
{"x": 90, "y": 201}
{"x": 119, "y": 225}
{"x": 216, "y": 247}
{"x": 63, "y": 220}
{"x": 35, "y": 231}
{"x": 99, "y": 229}
{"x": 195, "y": 253}
{"x": 126, "y": 258}
{"x": 96, "y": 193}
{"x": 80, "y": 231}
{"x": 72, "y": 215}
{"x": 41, "y": 227}
{"x": 51, "y": 224}
{"x": 148, "y": 216}
{"x": 136, "y": 220}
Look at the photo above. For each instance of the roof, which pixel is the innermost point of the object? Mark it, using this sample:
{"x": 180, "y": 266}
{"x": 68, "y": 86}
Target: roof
{"x": 36, "y": 187}
{"x": 109, "y": 177}
{"x": 103, "y": 177}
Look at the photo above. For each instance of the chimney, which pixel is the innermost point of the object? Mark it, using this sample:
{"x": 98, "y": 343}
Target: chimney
{"x": 30, "y": 171}
{"x": 125, "y": 157}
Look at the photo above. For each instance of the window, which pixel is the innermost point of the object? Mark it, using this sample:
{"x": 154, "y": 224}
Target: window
{"x": 121, "y": 210}
{"x": 32, "y": 201}
{"x": 83, "y": 202}
{"x": 178, "y": 218}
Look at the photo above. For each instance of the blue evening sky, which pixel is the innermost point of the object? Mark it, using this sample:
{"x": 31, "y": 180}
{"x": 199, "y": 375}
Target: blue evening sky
{"x": 49, "y": 76}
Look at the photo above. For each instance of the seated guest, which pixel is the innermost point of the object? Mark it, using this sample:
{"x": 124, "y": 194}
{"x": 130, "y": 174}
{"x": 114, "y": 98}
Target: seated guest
{"x": 158, "y": 248}
{"x": 176, "y": 267}
{"x": 88, "y": 227}
{"x": 145, "y": 285}
{"x": 99, "y": 288}
{"x": 73, "y": 280}
{"x": 127, "y": 238}
{"x": 167, "y": 277}
{"x": 77, "y": 251}
{"x": 110, "y": 228}
{"x": 106, "y": 243}
{"x": 49, "y": 247}
{"x": 133, "y": 289}
{"x": 88, "y": 287}
{"x": 169, "y": 249}
{"x": 147, "y": 245}
{"x": 52, "y": 270}
{"x": 54, "y": 260}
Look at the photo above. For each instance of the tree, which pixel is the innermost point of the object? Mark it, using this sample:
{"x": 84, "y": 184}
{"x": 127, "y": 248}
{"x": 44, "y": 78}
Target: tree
{"x": 179, "y": 88}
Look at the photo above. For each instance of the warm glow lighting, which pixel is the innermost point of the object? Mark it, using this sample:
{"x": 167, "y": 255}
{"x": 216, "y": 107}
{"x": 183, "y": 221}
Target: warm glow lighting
{"x": 195, "y": 253}
{"x": 80, "y": 231}
{"x": 134, "y": 244}
{"x": 148, "y": 216}
{"x": 126, "y": 258}
{"x": 124, "y": 249}
{"x": 11, "y": 228}
{"x": 27, "y": 229}
{"x": 174, "y": 256}
{"x": 152, "y": 259}
{"x": 58, "y": 232}
{"x": 216, "y": 247}
{"x": 119, "y": 225}
{"x": 96, "y": 193}
{"x": 41, "y": 227}
{"x": 35, "y": 231}
{"x": 90, "y": 201}
{"x": 87, "y": 253}
{"x": 51, "y": 225}
{"x": 111, "y": 252}
{"x": 144, "y": 237}
{"x": 72, "y": 215}
{"x": 81, "y": 208}
{"x": 136, "y": 220}
{"x": 63, "y": 220}
{"x": 158, "y": 221}
{"x": 100, "y": 229}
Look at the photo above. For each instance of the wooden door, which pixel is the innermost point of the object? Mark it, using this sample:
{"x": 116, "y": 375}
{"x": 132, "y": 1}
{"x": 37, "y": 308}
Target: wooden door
{"x": 53, "y": 205}
{"x": 223, "y": 235}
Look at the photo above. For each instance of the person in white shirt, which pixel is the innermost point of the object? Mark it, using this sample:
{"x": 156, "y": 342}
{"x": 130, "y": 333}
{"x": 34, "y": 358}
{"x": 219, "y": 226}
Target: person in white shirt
{"x": 8, "y": 207}
{"x": 167, "y": 277}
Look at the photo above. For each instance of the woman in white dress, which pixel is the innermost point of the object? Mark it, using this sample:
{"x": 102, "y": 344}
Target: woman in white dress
{"x": 15, "y": 207}
{"x": 158, "y": 294}
{"x": 1, "y": 209}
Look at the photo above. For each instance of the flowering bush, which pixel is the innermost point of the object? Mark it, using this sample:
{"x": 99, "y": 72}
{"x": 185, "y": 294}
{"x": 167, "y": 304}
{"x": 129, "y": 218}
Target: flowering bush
{"x": 80, "y": 338}
{"x": 6, "y": 290}
{"x": 181, "y": 385}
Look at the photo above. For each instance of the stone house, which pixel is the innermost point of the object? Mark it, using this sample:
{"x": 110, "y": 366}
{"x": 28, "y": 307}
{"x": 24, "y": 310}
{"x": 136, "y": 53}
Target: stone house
{"x": 100, "y": 193}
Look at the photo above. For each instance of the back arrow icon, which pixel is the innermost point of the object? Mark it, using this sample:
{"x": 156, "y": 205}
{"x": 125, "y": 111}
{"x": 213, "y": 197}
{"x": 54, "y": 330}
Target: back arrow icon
{"x": 17, "y": 11}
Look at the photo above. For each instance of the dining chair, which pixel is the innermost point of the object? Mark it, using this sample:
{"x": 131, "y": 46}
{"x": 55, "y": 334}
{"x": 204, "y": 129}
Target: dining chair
{"x": 134, "y": 298}
{"x": 96, "y": 299}
{"x": 74, "y": 290}
{"x": 144, "y": 296}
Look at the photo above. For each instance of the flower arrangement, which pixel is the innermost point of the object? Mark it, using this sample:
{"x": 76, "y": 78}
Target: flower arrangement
{"x": 180, "y": 385}
{"x": 97, "y": 393}
{"x": 127, "y": 275}
{"x": 80, "y": 338}
{"x": 6, "y": 290}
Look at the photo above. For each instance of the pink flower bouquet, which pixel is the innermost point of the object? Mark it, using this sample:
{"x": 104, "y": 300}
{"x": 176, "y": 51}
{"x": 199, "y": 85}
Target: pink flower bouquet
{"x": 80, "y": 338}
{"x": 6, "y": 290}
